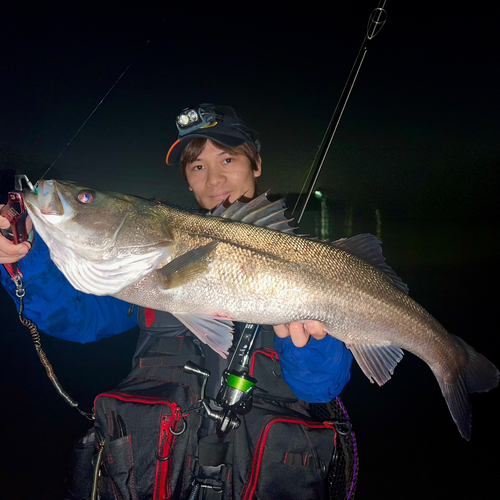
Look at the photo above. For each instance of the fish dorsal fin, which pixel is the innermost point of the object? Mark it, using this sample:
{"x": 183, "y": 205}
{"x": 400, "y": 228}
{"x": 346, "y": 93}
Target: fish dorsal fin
{"x": 264, "y": 213}
{"x": 369, "y": 248}
{"x": 259, "y": 212}
{"x": 377, "y": 361}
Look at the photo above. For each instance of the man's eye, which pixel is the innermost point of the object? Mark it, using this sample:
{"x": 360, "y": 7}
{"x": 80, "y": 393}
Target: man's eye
{"x": 228, "y": 160}
{"x": 198, "y": 167}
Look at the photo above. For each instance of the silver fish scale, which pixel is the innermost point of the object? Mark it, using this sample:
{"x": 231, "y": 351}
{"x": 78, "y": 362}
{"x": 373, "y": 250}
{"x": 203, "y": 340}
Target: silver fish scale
{"x": 269, "y": 277}
{"x": 262, "y": 276}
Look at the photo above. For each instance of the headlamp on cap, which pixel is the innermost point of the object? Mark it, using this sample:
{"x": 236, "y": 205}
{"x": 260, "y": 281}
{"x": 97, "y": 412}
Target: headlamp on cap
{"x": 191, "y": 119}
{"x": 220, "y": 124}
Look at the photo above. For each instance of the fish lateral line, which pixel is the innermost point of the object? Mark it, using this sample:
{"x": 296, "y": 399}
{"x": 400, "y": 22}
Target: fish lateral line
{"x": 346, "y": 284}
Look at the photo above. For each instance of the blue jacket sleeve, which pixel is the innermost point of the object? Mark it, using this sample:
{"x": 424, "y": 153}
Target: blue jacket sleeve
{"x": 60, "y": 310}
{"x": 317, "y": 372}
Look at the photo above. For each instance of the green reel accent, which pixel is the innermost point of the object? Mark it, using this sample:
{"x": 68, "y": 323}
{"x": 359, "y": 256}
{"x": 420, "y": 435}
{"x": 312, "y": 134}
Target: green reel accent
{"x": 239, "y": 383}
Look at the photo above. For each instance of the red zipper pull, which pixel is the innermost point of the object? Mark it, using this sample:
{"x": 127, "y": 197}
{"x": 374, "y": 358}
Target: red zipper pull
{"x": 162, "y": 455}
{"x": 163, "y": 445}
{"x": 331, "y": 425}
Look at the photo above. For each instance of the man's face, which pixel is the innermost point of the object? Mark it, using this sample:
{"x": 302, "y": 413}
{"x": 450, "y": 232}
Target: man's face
{"x": 216, "y": 176}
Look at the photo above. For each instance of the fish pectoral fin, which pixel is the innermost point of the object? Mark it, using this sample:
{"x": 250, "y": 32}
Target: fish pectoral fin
{"x": 215, "y": 332}
{"x": 377, "y": 361}
{"x": 186, "y": 267}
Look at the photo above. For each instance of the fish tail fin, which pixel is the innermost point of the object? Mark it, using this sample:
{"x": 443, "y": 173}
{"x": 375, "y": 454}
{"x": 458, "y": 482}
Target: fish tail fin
{"x": 478, "y": 374}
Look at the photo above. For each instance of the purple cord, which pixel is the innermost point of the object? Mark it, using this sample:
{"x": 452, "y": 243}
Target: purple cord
{"x": 353, "y": 444}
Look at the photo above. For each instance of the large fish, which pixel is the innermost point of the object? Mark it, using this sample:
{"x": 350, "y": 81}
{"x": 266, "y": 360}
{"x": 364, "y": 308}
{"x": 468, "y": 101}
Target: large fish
{"x": 244, "y": 264}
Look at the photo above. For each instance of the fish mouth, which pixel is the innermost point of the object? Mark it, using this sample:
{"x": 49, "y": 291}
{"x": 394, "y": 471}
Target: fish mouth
{"x": 48, "y": 204}
{"x": 54, "y": 212}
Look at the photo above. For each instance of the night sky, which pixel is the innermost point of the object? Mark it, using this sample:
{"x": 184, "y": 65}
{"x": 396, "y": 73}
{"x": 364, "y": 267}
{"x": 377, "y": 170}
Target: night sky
{"x": 419, "y": 141}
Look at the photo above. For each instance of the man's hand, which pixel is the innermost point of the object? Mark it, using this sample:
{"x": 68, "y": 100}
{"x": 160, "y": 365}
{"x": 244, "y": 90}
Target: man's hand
{"x": 301, "y": 332}
{"x": 10, "y": 253}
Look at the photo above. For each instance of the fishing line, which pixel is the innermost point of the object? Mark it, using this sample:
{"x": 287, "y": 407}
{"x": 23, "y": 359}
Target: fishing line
{"x": 376, "y": 21}
{"x": 88, "y": 118}
{"x": 20, "y": 292}
{"x": 101, "y": 101}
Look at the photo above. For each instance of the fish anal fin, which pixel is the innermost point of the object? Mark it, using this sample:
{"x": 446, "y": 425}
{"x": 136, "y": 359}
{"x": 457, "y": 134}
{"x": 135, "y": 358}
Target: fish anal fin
{"x": 186, "y": 267}
{"x": 217, "y": 333}
{"x": 376, "y": 361}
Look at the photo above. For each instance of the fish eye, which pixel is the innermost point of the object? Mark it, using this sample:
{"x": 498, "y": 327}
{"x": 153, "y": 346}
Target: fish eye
{"x": 86, "y": 196}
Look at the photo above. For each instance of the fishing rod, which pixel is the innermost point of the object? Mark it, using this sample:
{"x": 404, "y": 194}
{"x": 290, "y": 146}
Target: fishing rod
{"x": 376, "y": 21}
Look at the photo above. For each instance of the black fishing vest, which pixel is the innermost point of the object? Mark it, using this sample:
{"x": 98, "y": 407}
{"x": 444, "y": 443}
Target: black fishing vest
{"x": 155, "y": 444}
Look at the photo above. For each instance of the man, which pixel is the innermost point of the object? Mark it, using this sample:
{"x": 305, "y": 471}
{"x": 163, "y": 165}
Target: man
{"x": 219, "y": 157}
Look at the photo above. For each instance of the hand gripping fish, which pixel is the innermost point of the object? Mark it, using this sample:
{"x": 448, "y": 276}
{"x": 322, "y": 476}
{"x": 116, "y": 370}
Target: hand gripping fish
{"x": 245, "y": 264}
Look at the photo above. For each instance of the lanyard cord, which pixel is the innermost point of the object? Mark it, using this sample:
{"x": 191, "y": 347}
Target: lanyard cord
{"x": 35, "y": 335}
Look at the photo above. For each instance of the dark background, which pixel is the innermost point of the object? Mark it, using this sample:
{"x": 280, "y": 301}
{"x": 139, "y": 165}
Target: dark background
{"x": 419, "y": 142}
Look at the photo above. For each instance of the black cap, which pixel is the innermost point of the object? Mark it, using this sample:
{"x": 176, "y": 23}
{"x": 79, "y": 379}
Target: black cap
{"x": 219, "y": 123}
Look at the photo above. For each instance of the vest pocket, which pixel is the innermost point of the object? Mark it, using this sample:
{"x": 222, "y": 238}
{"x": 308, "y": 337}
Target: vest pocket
{"x": 138, "y": 453}
{"x": 290, "y": 460}
{"x": 118, "y": 463}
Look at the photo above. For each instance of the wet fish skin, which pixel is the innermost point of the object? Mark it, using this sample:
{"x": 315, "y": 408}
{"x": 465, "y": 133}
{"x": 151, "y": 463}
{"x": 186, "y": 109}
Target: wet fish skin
{"x": 200, "y": 267}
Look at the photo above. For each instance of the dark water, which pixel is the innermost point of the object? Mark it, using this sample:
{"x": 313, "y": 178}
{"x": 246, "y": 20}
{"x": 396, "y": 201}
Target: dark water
{"x": 409, "y": 446}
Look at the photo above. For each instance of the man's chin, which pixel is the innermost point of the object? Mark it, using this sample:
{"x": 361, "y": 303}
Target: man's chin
{"x": 210, "y": 204}
{"x": 215, "y": 201}
{"x": 227, "y": 198}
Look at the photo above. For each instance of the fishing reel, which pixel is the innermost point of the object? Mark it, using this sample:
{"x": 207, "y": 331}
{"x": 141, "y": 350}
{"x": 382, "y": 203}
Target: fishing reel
{"x": 237, "y": 386}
